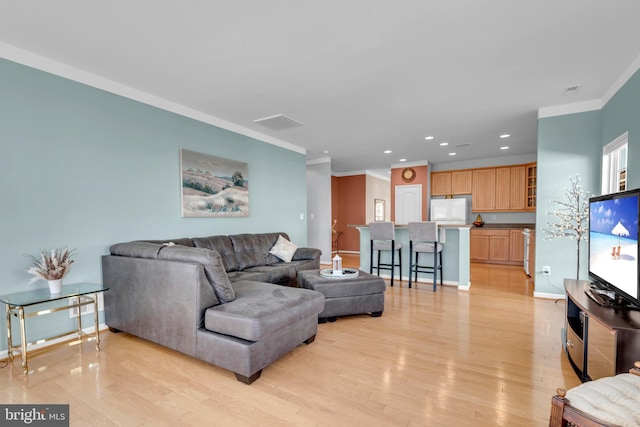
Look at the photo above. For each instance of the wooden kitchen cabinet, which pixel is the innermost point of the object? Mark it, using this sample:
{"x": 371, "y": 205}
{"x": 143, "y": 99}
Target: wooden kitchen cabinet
{"x": 503, "y": 189}
{"x": 451, "y": 183}
{"x": 510, "y": 188}
{"x": 483, "y": 190}
{"x": 479, "y": 246}
{"x": 440, "y": 183}
{"x": 516, "y": 246}
{"x": 461, "y": 182}
{"x": 517, "y": 190}
{"x": 497, "y": 246}
{"x": 489, "y": 245}
{"x": 530, "y": 186}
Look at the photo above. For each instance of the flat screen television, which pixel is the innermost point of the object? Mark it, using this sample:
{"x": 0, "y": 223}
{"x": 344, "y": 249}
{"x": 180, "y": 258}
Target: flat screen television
{"x": 613, "y": 248}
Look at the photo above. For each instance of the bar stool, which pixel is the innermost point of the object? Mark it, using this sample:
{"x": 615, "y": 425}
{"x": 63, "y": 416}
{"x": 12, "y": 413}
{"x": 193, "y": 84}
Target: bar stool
{"x": 423, "y": 238}
{"x": 383, "y": 235}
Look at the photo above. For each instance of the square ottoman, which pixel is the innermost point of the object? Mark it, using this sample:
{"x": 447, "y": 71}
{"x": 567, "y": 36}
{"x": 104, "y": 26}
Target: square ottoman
{"x": 358, "y": 295}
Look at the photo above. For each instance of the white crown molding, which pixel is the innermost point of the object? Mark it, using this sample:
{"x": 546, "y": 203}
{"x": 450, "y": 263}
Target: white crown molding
{"x": 594, "y": 104}
{"x": 352, "y": 173}
{"x": 577, "y": 107}
{"x": 51, "y": 66}
{"x": 409, "y": 164}
{"x": 318, "y": 161}
{"x": 628, "y": 73}
{"x": 378, "y": 175}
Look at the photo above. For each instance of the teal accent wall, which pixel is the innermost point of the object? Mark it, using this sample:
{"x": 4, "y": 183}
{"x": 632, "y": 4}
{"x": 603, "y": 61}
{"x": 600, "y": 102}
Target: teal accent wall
{"x": 568, "y": 145}
{"x": 83, "y": 168}
{"x": 622, "y": 114}
{"x": 573, "y": 144}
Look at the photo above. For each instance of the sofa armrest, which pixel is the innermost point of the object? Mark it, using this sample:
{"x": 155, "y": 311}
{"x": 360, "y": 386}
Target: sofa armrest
{"x": 159, "y": 300}
{"x": 307, "y": 253}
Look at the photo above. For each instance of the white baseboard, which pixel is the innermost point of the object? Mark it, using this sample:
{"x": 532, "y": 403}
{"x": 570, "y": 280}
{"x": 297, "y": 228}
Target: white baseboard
{"x": 549, "y": 296}
{"x": 101, "y": 327}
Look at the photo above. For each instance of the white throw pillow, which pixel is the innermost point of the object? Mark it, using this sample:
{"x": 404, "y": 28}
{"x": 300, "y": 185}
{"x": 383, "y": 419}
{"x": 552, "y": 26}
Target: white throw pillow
{"x": 283, "y": 249}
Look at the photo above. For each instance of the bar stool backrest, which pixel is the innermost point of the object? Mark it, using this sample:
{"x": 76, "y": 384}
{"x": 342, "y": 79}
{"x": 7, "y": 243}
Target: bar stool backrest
{"x": 426, "y": 231}
{"x": 382, "y": 230}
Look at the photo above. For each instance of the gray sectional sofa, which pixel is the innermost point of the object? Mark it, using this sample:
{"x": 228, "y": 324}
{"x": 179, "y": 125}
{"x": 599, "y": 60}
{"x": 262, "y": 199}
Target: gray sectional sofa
{"x": 220, "y": 299}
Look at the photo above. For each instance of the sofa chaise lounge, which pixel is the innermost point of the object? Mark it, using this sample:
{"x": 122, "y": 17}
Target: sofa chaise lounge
{"x": 178, "y": 293}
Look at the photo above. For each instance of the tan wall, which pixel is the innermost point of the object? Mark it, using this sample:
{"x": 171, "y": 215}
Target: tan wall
{"x": 377, "y": 188}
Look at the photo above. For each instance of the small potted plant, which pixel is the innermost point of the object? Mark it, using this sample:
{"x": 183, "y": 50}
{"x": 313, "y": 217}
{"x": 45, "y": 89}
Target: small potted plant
{"x": 52, "y": 266}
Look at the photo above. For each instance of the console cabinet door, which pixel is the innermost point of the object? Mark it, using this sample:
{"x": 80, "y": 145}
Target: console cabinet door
{"x": 601, "y": 348}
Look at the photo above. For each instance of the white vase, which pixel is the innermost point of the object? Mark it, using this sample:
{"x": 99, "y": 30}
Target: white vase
{"x": 55, "y": 286}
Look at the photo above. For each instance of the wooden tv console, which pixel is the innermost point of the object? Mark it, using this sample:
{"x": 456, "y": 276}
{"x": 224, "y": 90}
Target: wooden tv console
{"x": 599, "y": 341}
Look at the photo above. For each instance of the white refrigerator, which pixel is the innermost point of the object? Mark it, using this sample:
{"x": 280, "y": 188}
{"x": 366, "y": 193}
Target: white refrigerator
{"x": 449, "y": 211}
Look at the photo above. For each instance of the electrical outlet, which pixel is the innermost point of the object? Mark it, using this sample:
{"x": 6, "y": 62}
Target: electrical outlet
{"x": 546, "y": 270}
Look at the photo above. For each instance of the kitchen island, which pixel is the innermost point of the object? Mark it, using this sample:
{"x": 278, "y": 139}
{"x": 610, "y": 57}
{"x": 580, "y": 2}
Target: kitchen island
{"x": 455, "y": 256}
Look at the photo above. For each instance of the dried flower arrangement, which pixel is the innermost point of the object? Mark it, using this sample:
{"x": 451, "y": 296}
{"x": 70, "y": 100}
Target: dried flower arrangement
{"x": 53, "y": 264}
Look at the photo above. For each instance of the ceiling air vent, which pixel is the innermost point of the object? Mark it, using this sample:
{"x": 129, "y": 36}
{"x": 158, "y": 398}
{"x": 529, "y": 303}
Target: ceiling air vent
{"x": 278, "y": 122}
{"x": 571, "y": 90}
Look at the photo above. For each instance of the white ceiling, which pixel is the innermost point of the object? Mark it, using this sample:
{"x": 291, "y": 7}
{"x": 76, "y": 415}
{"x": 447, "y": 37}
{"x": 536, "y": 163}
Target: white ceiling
{"x": 362, "y": 75}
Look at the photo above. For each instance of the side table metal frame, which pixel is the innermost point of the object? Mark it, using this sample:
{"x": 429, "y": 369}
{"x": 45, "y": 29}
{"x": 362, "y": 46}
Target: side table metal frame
{"x": 19, "y": 312}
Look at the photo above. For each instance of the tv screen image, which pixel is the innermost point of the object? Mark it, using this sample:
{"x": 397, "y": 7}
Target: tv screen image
{"x": 613, "y": 242}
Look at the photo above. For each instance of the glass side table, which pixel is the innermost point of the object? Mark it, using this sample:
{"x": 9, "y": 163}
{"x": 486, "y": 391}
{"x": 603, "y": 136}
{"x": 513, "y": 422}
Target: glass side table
{"x": 74, "y": 295}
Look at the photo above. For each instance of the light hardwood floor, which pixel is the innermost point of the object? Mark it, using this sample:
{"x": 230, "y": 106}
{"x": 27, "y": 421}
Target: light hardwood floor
{"x": 488, "y": 357}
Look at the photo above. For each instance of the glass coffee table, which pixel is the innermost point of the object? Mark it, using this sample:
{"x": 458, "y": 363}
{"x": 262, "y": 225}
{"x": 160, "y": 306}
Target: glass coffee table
{"x": 30, "y": 304}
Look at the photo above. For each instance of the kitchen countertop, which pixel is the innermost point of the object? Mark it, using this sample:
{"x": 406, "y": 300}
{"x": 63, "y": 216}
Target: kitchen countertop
{"x": 485, "y": 226}
{"x": 513, "y": 225}
{"x": 403, "y": 226}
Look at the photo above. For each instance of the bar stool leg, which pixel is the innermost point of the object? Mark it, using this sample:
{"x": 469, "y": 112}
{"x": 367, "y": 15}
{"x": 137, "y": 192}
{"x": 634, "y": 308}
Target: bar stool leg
{"x": 410, "y": 265}
{"x": 393, "y": 260}
{"x": 371, "y": 259}
{"x": 435, "y": 269}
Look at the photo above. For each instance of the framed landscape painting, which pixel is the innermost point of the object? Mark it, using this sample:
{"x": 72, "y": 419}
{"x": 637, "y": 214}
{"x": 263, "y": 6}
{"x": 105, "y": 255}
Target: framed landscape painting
{"x": 213, "y": 186}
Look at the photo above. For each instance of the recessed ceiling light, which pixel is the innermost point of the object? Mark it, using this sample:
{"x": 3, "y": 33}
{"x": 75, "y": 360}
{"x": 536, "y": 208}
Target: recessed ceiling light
{"x": 506, "y": 147}
{"x": 444, "y": 144}
{"x": 326, "y": 151}
{"x": 403, "y": 160}
{"x": 387, "y": 151}
{"x": 452, "y": 154}
{"x": 428, "y": 138}
{"x": 505, "y": 135}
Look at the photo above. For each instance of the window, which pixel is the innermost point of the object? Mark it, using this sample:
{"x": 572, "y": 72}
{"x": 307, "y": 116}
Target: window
{"x": 614, "y": 165}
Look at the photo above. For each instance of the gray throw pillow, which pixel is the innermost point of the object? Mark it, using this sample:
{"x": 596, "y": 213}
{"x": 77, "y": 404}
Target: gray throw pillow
{"x": 213, "y": 267}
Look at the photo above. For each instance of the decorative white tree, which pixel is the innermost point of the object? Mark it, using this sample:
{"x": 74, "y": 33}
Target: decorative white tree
{"x": 572, "y": 217}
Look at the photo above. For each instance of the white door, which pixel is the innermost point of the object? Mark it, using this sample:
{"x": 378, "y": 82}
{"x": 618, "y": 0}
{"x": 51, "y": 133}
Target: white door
{"x": 408, "y": 203}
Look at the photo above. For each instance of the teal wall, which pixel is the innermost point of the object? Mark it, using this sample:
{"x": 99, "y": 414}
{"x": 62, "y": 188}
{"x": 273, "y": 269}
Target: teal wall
{"x": 84, "y": 168}
{"x": 569, "y": 145}
{"x": 622, "y": 114}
